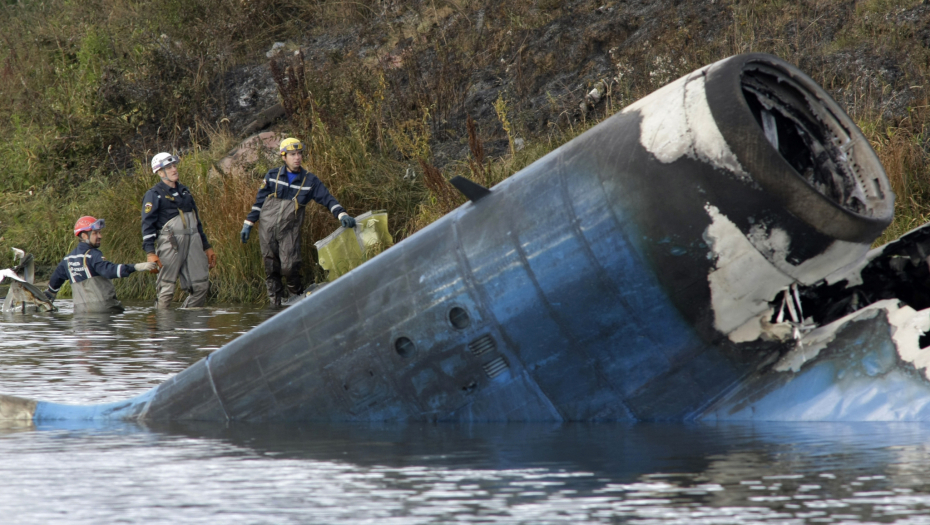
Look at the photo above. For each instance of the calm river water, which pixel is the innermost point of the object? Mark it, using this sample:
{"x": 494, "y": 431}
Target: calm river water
{"x": 405, "y": 473}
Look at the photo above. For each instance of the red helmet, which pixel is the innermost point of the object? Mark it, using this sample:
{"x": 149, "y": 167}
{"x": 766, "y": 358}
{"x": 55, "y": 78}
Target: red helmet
{"x": 86, "y": 224}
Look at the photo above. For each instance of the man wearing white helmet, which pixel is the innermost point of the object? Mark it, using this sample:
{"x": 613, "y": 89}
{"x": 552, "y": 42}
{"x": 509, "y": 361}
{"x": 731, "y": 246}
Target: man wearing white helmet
{"x": 173, "y": 238}
{"x": 280, "y": 204}
{"x": 89, "y": 272}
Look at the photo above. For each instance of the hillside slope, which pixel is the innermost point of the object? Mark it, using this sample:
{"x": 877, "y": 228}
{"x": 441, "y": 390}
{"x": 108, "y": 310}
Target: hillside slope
{"x": 382, "y": 91}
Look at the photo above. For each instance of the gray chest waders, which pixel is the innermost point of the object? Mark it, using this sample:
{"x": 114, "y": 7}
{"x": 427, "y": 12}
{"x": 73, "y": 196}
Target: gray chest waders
{"x": 94, "y": 295}
{"x": 279, "y": 236}
{"x": 181, "y": 253}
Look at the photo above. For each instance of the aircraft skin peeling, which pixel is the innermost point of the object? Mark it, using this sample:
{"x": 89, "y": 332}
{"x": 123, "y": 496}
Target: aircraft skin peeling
{"x": 688, "y": 130}
{"x": 774, "y": 245}
{"x": 866, "y": 366}
{"x": 906, "y": 324}
{"x": 743, "y": 283}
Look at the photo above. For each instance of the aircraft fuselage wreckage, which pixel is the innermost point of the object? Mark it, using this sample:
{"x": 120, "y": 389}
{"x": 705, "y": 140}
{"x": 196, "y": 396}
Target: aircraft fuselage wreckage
{"x": 704, "y": 253}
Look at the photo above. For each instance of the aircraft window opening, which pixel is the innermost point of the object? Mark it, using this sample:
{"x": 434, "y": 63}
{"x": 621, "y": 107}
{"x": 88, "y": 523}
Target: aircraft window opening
{"x": 459, "y": 318}
{"x": 404, "y": 347}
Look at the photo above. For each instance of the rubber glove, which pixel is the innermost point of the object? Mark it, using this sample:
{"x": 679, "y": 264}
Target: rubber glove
{"x": 211, "y": 258}
{"x": 347, "y": 220}
{"x": 151, "y": 257}
{"x": 146, "y": 267}
{"x": 244, "y": 234}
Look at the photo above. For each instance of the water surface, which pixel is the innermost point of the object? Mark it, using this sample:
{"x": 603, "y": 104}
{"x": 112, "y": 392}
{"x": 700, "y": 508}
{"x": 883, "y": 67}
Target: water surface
{"x": 406, "y": 473}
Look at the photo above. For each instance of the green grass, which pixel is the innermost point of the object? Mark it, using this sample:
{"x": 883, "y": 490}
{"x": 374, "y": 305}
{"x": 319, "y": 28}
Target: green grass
{"x": 85, "y": 83}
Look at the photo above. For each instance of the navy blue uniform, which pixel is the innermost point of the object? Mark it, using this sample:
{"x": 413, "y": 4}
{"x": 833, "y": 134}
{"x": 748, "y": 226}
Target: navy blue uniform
{"x": 83, "y": 263}
{"x": 306, "y": 187}
{"x": 160, "y": 205}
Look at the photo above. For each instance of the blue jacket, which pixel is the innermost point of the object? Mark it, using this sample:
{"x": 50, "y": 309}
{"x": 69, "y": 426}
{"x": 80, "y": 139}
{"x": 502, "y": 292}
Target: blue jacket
{"x": 160, "y": 205}
{"x": 83, "y": 263}
{"x": 306, "y": 187}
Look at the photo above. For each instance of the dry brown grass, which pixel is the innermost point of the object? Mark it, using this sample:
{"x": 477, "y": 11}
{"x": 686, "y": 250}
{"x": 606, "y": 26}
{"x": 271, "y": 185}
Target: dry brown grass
{"x": 98, "y": 74}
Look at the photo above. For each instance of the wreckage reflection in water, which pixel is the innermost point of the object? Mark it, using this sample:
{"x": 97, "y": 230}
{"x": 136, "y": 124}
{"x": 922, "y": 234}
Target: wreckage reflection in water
{"x": 526, "y": 473}
{"x": 105, "y": 471}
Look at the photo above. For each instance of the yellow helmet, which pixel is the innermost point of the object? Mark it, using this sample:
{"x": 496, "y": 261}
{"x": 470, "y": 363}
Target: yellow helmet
{"x": 290, "y": 144}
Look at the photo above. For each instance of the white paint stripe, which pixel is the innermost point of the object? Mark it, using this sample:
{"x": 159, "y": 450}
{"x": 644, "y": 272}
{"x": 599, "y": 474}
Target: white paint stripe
{"x": 677, "y": 122}
{"x": 743, "y": 281}
{"x": 298, "y": 186}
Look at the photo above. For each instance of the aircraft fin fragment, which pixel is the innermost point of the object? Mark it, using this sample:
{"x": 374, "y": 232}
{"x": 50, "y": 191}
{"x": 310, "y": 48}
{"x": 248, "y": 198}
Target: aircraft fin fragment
{"x": 470, "y": 189}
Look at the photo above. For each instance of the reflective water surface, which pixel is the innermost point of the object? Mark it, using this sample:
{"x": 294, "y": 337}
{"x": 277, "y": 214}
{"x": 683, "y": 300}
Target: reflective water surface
{"x": 407, "y": 473}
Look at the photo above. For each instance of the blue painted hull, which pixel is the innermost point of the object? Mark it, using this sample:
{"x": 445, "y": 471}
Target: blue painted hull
{"x": 589, "y": 286}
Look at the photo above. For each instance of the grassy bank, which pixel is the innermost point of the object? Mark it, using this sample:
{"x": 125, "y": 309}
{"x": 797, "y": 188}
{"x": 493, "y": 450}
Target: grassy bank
{"x": 91, "y": 90}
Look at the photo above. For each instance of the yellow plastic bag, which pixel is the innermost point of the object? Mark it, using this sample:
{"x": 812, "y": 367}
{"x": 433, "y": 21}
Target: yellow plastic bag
{"x": 345, "y": 249}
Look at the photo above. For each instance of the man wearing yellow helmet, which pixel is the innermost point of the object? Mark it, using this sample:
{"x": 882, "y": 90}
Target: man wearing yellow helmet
{"x": 280, "y": 204}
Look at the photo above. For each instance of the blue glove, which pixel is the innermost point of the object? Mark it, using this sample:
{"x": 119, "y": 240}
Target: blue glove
{"x": 347, "y": 221}
{"x": 244, "y": 234}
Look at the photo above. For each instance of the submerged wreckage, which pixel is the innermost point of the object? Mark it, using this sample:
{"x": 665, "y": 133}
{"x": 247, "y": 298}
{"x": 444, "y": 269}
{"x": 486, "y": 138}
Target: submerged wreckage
{"x": 702, "y": 254}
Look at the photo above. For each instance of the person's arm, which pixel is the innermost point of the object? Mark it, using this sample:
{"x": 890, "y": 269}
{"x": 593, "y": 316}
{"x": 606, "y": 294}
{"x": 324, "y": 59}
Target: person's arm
{"x": 150, "y": 205}
{"x": 59, "y": 276}
{"x": 322, "y": 196}
{"x": 101, "y": 266}
{"x": 263, "y": 193}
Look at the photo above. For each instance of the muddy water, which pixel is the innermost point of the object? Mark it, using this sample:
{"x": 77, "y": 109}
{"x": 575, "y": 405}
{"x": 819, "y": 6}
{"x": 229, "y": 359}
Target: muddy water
{"x": 397, "y": 473}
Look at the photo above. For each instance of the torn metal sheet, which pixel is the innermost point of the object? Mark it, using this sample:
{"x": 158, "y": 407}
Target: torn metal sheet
{"x": 23, "y": 295}
{"x": 867, "y": 366}
{"x": 666, "y": 260}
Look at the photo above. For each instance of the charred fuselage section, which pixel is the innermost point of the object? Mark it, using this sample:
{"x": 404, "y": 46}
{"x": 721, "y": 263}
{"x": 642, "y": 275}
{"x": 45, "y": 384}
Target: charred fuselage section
{"x": 898, "y": 270}
{"x": 626, "y": 275}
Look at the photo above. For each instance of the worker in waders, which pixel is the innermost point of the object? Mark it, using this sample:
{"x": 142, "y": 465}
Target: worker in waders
{"x": 90, "y": 273}
{"x": 173, "y": 238}
{"x": 280, "y": 204}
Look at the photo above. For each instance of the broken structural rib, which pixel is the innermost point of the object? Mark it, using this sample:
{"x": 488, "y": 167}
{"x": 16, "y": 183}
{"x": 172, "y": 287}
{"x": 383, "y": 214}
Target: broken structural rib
{"x": 626, "y": 275}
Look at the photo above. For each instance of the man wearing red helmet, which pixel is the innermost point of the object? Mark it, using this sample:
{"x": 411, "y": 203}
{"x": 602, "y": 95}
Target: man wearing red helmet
{"x": 90, "y": 273}
{"x": 173, "y": 238}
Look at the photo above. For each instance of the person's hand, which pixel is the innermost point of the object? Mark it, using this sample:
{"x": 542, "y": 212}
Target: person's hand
{"x": 244, "y": 234}
{"x": 152, "y": 258}
{"x": 146, "y": 267}
{"x": 211, "y": 258}
{"x": 347, "y": 220}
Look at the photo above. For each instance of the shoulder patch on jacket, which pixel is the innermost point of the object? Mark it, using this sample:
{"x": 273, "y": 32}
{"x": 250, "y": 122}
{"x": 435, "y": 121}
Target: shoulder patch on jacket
{"x": 148, "y": 207}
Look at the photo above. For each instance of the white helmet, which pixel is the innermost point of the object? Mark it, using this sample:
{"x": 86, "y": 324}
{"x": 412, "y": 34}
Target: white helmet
{"x": 163, "y": 160}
